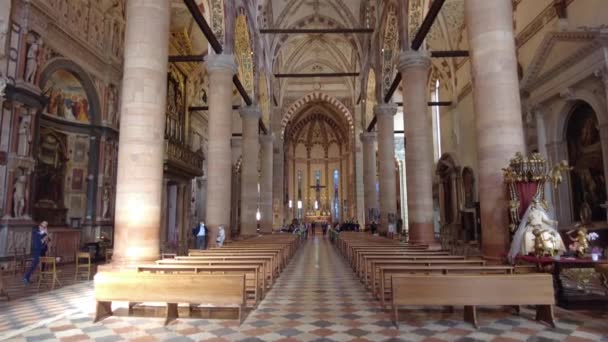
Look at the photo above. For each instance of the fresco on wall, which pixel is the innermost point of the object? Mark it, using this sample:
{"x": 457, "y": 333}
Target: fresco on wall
{"x": 67, "y": 97}
{"x": 585, "y": 155}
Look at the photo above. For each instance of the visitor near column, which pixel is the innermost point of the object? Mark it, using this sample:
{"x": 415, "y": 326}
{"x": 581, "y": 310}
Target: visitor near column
{"x": 200, "y": 234}
{"x": 40, "y": 241}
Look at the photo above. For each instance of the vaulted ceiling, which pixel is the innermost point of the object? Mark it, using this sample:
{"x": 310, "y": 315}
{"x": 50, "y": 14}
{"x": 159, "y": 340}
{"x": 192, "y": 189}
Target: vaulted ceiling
{"x": 331, "y": 53}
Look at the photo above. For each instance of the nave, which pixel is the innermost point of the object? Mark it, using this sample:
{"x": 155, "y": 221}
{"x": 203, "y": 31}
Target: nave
{"x": 316, "y": 297}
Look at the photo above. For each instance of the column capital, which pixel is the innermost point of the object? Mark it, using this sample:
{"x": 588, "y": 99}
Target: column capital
{"x": 414, "y": 59}
{"x": 221, "y": 62}
{"x": 368, "y": 137}
{"x": 267, "y": 138}
{"x": 385, "y": 109}
{"x": 252, "y": 112}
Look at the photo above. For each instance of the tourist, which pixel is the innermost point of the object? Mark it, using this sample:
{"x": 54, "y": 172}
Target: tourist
{"x": 391, "y": 230}
{"x": 200, "y": 233}
{"x": 40, "y": 240}
{"x": 221, "y": 236}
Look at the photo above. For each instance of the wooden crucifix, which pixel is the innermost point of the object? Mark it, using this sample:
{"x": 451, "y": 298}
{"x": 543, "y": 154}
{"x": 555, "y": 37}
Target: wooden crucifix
{"x": 318, "y": 188}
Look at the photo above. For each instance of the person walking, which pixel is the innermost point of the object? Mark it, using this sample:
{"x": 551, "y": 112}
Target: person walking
{"x": 200, "y": 233}
{"x": 40, "y": 240}
{"x": 221, "y": 236}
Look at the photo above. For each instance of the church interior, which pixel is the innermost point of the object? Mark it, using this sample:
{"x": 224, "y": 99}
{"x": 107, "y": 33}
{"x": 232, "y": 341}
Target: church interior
{"x": 299, "y": 170}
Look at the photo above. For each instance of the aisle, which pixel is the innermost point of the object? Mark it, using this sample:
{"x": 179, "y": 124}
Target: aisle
{"x": 316, "y": 297}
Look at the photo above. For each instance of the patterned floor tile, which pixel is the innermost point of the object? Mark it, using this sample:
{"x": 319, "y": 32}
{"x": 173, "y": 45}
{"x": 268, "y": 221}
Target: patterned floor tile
{"x": 316, "y": 298}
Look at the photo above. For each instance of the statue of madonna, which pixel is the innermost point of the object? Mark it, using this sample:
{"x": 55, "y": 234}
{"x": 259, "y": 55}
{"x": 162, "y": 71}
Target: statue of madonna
{"x": 536, "y": 218}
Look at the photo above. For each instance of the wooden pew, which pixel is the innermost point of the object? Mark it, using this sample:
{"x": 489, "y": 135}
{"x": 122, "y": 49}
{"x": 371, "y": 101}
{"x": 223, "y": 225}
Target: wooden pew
{"x": 367, "y": 258}
{"x": 263, "y": 264}
{"x": 218, "y": 290}
{"x": 386, "y": 273}
{"x": 361, "y": 252}
{"x": 272, "y": 264}
{"x": 475, "y": 290}
{"x": 282, "y": 253}
{"x": 278, "y": 260}
{"x": 371, "y": 274}
{"x": 251, "y": 272}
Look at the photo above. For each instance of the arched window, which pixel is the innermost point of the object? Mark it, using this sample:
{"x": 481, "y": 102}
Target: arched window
{"x": 436, "y": 123}
{"x": 336, "y": 203}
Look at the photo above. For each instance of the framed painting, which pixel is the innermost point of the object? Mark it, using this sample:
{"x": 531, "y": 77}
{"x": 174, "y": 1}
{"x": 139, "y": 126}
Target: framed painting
{"x": 77, "y": 179}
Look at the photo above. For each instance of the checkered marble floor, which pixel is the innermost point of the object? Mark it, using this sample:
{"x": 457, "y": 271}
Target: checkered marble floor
{"x": 317, "y": 298}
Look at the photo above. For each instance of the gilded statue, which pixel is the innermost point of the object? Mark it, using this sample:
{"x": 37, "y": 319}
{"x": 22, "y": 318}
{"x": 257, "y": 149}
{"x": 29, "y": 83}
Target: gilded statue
{"x": 556, "y": 173}
{"x": 580, "y": 245}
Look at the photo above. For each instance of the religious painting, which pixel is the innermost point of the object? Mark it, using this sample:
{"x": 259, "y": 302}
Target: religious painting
{"x": 77, "y": 179}
{"x": 175, "y": 92}
{"x": 50, "y": 169}
{"x": 67, "y": 97}
{"x": 588, "y": 184}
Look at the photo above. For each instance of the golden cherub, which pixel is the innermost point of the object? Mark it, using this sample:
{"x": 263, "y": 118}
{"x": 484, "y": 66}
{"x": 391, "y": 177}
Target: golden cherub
{"x": 556, "y": 172}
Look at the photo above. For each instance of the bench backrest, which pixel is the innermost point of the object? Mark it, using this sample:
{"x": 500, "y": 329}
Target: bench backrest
{"x": 170, "y": 288}
{"x": 524, "y": 289}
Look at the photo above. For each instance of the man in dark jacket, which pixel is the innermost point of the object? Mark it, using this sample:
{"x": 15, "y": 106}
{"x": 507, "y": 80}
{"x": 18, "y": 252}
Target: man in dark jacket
{"x": 200, "y": 234}
{"x": 40, "y": 240}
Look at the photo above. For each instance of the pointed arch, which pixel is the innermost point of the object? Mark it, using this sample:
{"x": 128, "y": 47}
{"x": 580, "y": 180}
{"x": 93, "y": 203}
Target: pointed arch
{"x": 312, "y": 98}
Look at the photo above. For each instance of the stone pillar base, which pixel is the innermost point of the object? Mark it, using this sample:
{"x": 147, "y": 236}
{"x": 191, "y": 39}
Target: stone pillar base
{"x": 421, "y": 233}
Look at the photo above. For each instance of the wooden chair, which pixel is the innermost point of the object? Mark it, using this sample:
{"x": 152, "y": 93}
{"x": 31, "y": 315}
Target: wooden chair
{"x": 48, "y": 272}
{"x": 83, "y": 266}
{"x": 109, "y": 253}
{"x": 3, "y": 293}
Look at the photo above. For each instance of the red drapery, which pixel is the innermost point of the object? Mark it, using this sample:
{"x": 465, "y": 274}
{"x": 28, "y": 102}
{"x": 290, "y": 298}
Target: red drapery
{"x": 526, "y": 192}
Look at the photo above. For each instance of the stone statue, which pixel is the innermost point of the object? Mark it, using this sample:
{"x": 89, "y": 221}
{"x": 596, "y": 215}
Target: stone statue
{"x": 31, "y": 65}
{"x": 111, "y": 104}
{"x": 2, "y": 87}
{"x": 24, "y": 136}
{"x": 106, "y": 202}
{"x": 19, "y": 196}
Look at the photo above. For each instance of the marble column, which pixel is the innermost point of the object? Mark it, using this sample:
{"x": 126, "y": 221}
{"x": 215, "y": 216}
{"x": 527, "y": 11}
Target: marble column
{"x": 386, "y": 162}
{"x": 142, "y": 126}
{"x": 250, "y": 170}
{"x": 221, "y": 68}
{"x": 414, "y": 67}
{"x": 266, "y": 186}
{"x": 369, "y": 173}
{"x": 497, "y": 104}
{"x": 279, "y": 207}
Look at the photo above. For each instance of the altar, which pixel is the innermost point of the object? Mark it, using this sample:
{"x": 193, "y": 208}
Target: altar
{"x": 318, "y": 219}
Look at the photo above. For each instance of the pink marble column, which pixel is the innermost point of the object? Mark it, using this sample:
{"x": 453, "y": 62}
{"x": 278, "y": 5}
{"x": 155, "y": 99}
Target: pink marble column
{"x": 498, "y": 123}
{"x": 386, "y": 162}
{"x": 266, "y": 185}
{"x": 414, "y": 67}
{"x": 142, "y": 125}
{"x": 221, "y": 68}
{"x": 250, "y": 170}
{"x": 369, "y": 173}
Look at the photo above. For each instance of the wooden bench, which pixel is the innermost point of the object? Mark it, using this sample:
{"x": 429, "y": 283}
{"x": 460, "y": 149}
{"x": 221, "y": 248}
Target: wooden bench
{"x": 370, "y": 275}
{"x": 386, "y": 272}
{"x": 264, "y": 268}
{"x": 474, "y": 290}
{"x": 277, "y": 260}
{"x": 367, "y": 259}
{"x": 270, "y": 262}
{"x": 194, "y": 289}
{"x": 360, "y": 254}
{"x": 254, "y": 283}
